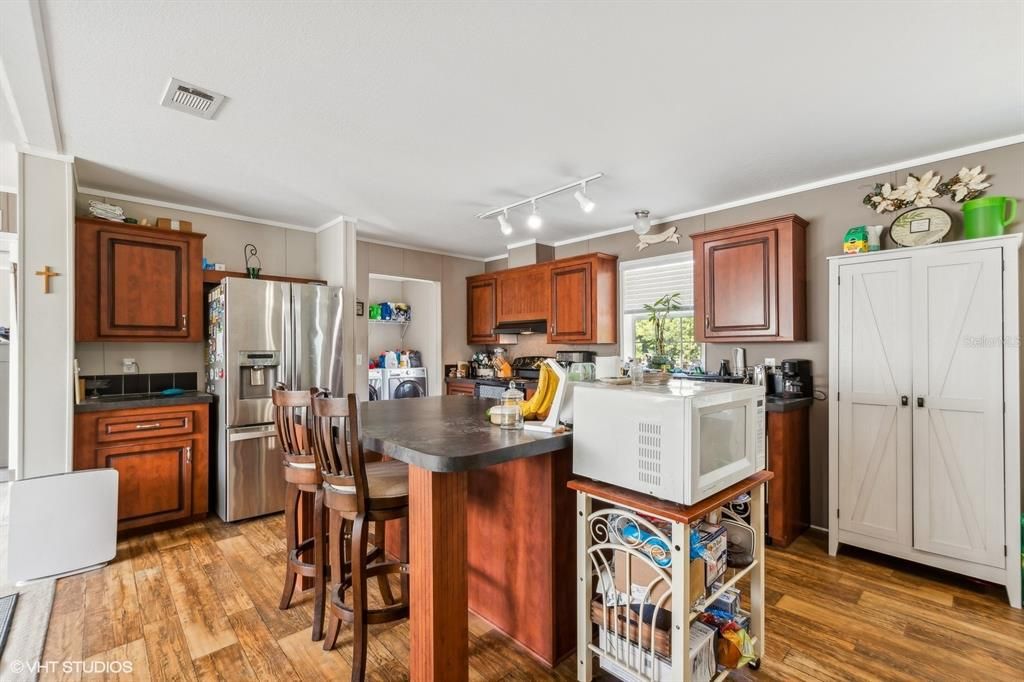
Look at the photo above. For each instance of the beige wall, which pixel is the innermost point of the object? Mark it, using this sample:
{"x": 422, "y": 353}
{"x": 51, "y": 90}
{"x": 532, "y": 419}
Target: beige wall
{"x": 282, "y": 251}
{"x": 8, "y": 207}
{"x": 450, "y": 271}
{"x": 830, "y": 211}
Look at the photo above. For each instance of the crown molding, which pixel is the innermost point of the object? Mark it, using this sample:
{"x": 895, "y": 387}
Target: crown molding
{"x": 45, "y": 153}
{"x": 198, "y": 209}
{"x": 835, "y": 180}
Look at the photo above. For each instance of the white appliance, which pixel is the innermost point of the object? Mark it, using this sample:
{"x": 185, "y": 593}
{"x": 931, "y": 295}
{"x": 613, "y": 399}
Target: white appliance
{"x": 60, "y": 524}
{"x": 682, "y": 442}
{"x": 924, "y": 406}
{"x": 262, "y": 332}
{"x": 377, "y": 387}
{"x": 407, "y": 382}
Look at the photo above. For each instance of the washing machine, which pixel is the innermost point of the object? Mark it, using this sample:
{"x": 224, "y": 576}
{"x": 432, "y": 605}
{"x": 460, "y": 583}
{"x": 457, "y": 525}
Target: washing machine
{"x": 408, "y": 382}
{"x": 378, "y": 391}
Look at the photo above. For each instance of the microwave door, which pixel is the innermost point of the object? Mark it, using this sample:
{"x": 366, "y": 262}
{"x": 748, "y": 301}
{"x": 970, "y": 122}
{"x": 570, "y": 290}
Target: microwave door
{"x": 723, "y": 446}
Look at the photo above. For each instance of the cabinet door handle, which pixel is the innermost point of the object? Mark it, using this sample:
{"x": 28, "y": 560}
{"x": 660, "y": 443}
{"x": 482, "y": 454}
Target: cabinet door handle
{"x": 188, "y": 455}
{"x": 904, "y": 400}
{"x": 707, "y": 322}
{"x": 151, "y": 425}
{"x": 920, "y": 401}
{"x": 184, "y": 320}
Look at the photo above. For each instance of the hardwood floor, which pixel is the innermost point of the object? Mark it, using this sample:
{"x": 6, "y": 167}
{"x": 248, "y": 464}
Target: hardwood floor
{"x": 200, "y": 603}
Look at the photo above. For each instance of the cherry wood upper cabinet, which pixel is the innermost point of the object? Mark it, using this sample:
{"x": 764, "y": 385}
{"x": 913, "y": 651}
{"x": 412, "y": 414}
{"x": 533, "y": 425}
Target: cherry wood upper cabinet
{"x": 749, "y": 282}
{"x": 481, "y": 308}
{"x": 137, "y": 283}
{"x": 523, "y": 294}
{"x": 584, "y": 303}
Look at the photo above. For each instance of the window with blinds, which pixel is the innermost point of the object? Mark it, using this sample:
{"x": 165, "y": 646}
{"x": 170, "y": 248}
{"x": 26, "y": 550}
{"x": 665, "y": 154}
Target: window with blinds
{"x": 642, "y": 282}
{"x": 645, "y": 281}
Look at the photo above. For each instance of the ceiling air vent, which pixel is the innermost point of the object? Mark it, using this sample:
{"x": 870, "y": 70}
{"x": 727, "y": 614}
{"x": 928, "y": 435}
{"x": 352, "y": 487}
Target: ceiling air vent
{"x": 191, "y": 99}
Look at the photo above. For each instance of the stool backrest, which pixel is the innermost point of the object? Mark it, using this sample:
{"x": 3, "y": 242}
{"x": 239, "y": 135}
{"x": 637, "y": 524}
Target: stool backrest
{"x": 291, "y": 419}
{"x": 335, "y": 442}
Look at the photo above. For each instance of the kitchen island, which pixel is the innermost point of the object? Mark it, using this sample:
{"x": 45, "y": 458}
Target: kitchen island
{"x": 491, "y": 528}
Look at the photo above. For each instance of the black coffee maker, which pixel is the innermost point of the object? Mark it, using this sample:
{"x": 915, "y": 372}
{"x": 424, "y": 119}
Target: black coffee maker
{"x": 796, "y": 379}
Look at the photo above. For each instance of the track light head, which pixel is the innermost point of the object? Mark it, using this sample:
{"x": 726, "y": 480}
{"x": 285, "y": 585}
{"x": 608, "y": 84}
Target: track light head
{"x": 504, "y": 224}
{"x": 585, "y": 202}
{"x": 642, "y": 224}
{"x": 534, "y": 221}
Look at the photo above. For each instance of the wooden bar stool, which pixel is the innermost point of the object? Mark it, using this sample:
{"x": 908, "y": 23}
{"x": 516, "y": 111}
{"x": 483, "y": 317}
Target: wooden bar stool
{"x": 302, "y": 478}
{"x": 361, "y": 492}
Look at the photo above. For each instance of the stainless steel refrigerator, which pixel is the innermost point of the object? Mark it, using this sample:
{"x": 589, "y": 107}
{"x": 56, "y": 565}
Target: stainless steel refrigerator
{"x": 260, "y": 333}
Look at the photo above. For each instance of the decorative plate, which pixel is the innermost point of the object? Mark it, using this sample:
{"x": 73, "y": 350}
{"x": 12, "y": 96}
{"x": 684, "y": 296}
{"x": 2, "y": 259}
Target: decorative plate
{"x": 920, "y": 226}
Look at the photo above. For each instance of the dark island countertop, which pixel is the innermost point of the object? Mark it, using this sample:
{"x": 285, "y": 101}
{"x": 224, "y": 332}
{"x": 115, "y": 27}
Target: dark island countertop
{"x": 448, "y": 433}
{"x": 140, "y": 400}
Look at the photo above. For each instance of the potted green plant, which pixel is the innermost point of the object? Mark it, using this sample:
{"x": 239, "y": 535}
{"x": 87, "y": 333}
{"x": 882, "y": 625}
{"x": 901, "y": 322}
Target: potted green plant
{"x": 658, "y": 313}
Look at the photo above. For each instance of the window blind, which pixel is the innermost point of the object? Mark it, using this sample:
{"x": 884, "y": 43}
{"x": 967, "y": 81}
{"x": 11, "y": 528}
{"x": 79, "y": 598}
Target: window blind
{"x": 645, "y": 284}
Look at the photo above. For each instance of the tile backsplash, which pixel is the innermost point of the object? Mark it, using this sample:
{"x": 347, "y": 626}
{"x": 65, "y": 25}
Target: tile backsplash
{"x": 118, "y": 384}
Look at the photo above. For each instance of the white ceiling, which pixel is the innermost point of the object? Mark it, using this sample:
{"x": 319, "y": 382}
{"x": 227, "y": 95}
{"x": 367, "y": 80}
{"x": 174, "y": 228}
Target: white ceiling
{"x": 415, "y": 116}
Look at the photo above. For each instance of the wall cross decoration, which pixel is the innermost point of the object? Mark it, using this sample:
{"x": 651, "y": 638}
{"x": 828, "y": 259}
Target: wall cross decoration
{"x": 46, "y": 273}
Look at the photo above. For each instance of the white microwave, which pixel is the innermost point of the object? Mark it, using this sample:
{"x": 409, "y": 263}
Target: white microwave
{"x": 682, "y": 442}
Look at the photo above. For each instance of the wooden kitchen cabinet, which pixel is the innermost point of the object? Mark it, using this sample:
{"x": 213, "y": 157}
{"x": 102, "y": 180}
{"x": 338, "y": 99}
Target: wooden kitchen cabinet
{"x": 749, "y": 282}
{"x": 137, "y": 283}
{"x": 465, "y": 387}
{"x": 161, "y": 455}
{"x": 523, "y": 294}
{"x": 481, "y": 308}
{"x": 584, "y": 303}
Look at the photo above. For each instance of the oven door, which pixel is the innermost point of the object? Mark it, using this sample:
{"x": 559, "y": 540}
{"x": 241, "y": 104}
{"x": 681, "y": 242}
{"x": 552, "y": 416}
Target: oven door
{"x": 723, "y": 448}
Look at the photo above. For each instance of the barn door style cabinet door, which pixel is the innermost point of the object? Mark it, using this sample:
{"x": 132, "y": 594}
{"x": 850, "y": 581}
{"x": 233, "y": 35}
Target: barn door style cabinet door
{"x": 924, "y": 430}
{"x": 481, "y": 308}
{"x": 749, "y": 282}
{"x": 137, "y": 283}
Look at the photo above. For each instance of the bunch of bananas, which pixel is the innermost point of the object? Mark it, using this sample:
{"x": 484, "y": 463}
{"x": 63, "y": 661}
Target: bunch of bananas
{"x": 539, "y": 405}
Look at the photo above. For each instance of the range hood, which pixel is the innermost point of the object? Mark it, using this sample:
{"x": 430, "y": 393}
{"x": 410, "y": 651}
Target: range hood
{"x": 528, "y": 327}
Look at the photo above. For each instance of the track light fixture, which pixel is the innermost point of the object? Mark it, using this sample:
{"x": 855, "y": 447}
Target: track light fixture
{"x": 642, "y": 224}
{"x": 585, "y": 202}
{"x": 534, "y": 220}
{"x": 504, "y": 224}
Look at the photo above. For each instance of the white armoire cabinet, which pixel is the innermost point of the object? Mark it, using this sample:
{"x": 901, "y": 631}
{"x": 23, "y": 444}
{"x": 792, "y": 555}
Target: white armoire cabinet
{"x": 924, "y": 406}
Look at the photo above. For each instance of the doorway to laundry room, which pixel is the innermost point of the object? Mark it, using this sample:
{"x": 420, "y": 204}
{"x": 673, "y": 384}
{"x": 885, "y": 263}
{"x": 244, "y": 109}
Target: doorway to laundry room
{"x": 403, "y": 337}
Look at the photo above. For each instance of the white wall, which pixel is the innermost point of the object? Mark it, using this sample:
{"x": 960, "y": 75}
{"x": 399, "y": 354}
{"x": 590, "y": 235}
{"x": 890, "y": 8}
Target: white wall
{"x": 336, "y": 263}
{"x": 424, "y": 333}
{"x": 42, "y": 414}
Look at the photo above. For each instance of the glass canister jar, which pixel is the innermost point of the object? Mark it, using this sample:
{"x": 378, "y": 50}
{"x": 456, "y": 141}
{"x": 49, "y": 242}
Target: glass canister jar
{"x": 511, "y": 410}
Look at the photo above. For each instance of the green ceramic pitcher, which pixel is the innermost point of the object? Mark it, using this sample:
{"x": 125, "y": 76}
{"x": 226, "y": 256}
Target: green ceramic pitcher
{"x": 988, "y": 216}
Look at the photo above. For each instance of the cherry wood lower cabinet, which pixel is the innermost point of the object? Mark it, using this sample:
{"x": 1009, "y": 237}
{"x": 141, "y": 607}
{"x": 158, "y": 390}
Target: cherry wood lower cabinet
{"x": 521, "y": 540}
{"x": 161, "y": 456}
{"x": 460, "y": 387}
{"x": 789, "y": 493}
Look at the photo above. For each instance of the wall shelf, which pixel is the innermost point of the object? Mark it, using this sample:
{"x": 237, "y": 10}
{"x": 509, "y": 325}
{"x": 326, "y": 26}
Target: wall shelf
{"x": 215, "y": 277}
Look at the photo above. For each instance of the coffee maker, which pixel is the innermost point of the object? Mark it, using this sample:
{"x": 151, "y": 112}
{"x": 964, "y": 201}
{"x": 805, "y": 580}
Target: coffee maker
{"x": 796, "y": 379}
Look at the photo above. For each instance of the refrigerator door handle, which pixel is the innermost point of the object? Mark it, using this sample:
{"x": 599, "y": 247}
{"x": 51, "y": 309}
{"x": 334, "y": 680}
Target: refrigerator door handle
{"x": 269, "y": 432}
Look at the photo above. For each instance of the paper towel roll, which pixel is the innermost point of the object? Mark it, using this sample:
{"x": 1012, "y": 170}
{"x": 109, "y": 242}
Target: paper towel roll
{"x": 608, "y": 366}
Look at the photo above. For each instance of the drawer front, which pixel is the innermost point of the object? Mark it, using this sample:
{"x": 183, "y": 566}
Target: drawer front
{"x": 136, "y": 426}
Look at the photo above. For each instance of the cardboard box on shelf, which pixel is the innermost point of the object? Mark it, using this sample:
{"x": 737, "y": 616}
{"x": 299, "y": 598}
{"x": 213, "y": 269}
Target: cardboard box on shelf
{"x": 168, "y": 224}
{"x": 642, "y": 574}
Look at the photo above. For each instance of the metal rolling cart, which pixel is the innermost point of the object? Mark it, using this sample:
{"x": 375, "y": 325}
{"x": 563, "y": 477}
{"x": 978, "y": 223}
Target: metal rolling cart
{"x": 649, "y": 644}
